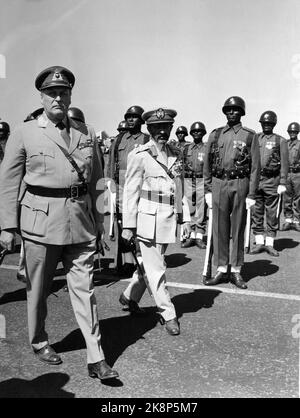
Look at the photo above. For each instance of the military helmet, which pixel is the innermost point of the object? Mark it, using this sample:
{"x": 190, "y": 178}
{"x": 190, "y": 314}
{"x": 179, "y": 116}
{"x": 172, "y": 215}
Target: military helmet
{"x": 4, "y": 126}
{"x": 268, "y": 116}
{"x": 33, "y": 115}
{"x": 123, "y": 126}
{"x": 293, "y": 127}
{"x": 181, "y": 130}
{"x": 76, "y": 114}
{"x": 135, "y": 110}
{"x": 198, "y": 126}
{"x": 234, "y": 101}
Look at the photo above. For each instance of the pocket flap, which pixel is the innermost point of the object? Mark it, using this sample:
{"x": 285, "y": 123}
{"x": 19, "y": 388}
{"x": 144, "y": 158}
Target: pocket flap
{"x": 49, "y": 152}
{"x": 35, "y": 202}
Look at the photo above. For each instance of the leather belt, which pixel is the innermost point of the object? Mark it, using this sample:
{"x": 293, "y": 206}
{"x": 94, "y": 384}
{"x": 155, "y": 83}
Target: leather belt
{"x": 268, "y": 172}
{"x": 158, "y": 197}
{"x": 73, "y": 191}
{"x": 232, "y": 174}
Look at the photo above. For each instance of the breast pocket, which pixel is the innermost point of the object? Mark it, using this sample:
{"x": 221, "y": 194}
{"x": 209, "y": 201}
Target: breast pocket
{"x": 40, "y": 160}
{"x": 34, "y": 215}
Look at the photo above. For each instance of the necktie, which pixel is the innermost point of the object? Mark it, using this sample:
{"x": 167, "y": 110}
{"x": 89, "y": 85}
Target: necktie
{"x": 64, "y": 133}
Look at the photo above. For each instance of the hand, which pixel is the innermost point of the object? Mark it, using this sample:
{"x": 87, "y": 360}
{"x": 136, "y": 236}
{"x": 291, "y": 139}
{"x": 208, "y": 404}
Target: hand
{"x": 208, "y": 200}
{"x": 281, "y": 189}
{"x": 7, "y": 240}
{"x": 249, "y": 202}
{"x": 127, "y": 234}
{"x": 187, "y": 229}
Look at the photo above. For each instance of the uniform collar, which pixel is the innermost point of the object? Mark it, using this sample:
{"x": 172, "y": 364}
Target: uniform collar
{"x": 267, "y": 136}
{"x": 236, "y": 128}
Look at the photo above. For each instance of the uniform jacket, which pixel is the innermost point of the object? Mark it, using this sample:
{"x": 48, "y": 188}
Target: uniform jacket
{"x": 127, "y": 143}
{"x": 229, "y": 142}
{"x": 32, "y": 155}
{"x": 267, "y": 144}
{"x": 194, "y": 158}
{"x": 294, "y": 152}
{"x": 154, "y": 221}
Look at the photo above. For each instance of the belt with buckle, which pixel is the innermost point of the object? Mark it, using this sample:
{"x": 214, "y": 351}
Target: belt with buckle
{"x": 73, "y": 191}
{"x": 158, "y": 197}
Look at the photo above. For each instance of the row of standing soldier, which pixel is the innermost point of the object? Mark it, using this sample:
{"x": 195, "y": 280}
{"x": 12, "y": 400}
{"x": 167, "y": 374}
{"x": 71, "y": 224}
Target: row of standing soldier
{"x": 238, "y": 170}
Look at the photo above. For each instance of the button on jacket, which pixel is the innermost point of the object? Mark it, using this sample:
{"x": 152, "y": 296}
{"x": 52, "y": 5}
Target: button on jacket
{"x": 33, "y": 151}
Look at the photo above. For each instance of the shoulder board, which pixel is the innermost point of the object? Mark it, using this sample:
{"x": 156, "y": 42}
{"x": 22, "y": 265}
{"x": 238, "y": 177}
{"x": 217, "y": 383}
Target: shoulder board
{"x": 248, "y": 130}
{"x": 141, "y": 147}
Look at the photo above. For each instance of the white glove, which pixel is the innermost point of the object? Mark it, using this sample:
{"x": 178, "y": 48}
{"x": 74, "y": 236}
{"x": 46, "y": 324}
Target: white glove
{"x": 208, "y": 200}
{"x": 281, "y": 189}
{"x": 249, "y": 203}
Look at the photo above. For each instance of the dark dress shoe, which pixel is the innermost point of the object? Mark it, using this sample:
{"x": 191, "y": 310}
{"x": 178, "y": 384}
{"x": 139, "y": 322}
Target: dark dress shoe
{"x": 48, "y": 355}
{"x": 102, "y": 371}
{"x": 172, "y": 327}
{"x": 238, "y": 281}
{"x": 286, "y": 226}
{"x": 218, "y": 278}
{"x": 258, "y": 248}
{"x": 271, "y": 250}
{"x": 21, "y": 278}
{"x": 188, "y": 243}
{"x": 131, "y": 306}
{"x": 200, "y": 244}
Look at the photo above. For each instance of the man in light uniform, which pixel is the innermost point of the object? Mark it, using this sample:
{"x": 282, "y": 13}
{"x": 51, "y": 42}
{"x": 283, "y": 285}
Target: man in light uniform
{"x": 152, "y": 203}
{"x": 59, "y": 162}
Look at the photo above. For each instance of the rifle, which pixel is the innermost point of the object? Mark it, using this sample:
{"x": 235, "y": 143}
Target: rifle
{"x": 278, "y": 210}
{"x": 248, "y": 231}
{"x": 209, "y": 248}
{"x": 112, "y": 197}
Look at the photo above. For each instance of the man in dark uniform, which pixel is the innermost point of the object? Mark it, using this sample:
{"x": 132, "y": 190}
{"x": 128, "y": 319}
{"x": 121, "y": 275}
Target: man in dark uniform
{"x": 125, "y": 142}
{"x": 4, "y": 134}
{"x": 181, "y": 133}
{"x": 193, "y": 162}
{"x": 231, "y": 174}
{"x": 58, "y": 160}
{"x": 291, "y": 208}
{"x": 274, "y": 169}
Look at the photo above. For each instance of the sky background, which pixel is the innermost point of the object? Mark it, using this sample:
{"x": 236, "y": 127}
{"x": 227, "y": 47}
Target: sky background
{"x": 189, "y": 55}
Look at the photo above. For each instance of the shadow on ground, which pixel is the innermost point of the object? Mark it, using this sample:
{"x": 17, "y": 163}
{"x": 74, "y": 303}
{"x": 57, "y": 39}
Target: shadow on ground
{"x": 283, "y": 243}
{"x": 120, "y": 332}
{"x": 258, "y": 268}
{"x": 176, "y": 260}
{"x": 49, "y": 385}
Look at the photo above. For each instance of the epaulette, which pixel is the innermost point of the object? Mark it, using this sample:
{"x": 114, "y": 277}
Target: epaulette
{"x": 142, "y": 147}
{"x": 248, "y": 130}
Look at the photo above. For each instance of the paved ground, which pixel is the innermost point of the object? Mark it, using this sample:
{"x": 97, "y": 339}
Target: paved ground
{"x": 232, "y": 344}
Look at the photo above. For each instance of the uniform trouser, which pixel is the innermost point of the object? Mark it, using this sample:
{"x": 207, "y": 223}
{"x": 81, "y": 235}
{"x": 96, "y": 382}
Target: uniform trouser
{"x": 194, "y": 190}
{"x": 229, "y": 216}
{"x": 155, "y": 268}
{"x": 291, "y": 208}
{"x": 267, "y": 200}
{"x": 41, "y": 262}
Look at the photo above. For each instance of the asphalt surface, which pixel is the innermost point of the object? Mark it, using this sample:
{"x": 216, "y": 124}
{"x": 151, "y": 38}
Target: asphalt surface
{"x": 234, "y": 344}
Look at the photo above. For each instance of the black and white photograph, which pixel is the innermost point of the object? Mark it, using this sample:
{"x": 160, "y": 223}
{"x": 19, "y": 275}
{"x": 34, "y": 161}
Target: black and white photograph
{"x": 149, "y": 202}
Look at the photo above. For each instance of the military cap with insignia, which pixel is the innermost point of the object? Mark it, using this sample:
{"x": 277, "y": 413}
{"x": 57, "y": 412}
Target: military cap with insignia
{"x": 55, "y": 76}
{"x": 159, "y": 116}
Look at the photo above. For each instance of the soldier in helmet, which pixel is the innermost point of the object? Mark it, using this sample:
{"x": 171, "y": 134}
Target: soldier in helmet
{"x": 291, "y": 208}
{"x": 123, "y": 126}
{"x": 193, "y": 161}
{"x": 231, "y": 174}
{"x": 76, "y": 114}
{"x": 153, "y": 204}
{"x": 4, "y": 134}
{"x": 272, "y": 183}
{"x": 181, "y": 133}
{"x": 117, "y": 165}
